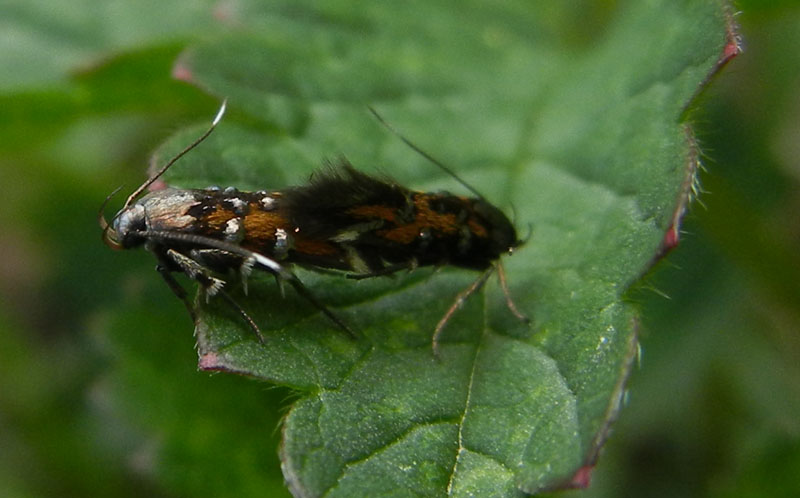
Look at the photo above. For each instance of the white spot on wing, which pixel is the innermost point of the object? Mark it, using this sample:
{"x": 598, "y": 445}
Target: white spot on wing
{"x": 237, "y": 203}
{"x": 268, "y": 202}
{"x": 232, "y": 227}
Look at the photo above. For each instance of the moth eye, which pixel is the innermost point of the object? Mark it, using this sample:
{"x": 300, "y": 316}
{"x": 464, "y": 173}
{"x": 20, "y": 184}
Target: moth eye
{"x": 130, "y": 220}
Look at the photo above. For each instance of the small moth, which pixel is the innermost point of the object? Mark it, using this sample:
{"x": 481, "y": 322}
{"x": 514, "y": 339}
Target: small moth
{"x": 342, "y": 220}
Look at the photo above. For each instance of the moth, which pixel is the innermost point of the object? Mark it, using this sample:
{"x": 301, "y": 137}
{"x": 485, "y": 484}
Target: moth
{"x": 342, "y": 220}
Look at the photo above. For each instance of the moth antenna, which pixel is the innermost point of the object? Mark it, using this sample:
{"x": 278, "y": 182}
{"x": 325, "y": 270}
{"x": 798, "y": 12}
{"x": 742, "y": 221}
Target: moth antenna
{"x": 424, "y": 154}
{"x": 513, "y": 215}
{"x": 524, "y": 240}
{"x": 177, "y": 156}
{"x": 109, "y": 235}
{"x": 527, "y": 237}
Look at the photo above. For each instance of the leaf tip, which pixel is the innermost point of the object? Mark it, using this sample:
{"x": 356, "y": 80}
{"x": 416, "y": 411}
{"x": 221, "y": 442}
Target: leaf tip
{"x": 671, "y": 239}
{"x": 210, "y": 361}
{"x": 582, "y": 478}
{"x": 182, "y": 71}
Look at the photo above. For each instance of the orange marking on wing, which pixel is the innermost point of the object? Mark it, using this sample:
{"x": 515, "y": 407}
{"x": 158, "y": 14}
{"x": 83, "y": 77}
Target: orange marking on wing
{"x": 428, "y": 218}
{"x": 219, "y": 217}
{"x": 261, "y": 225}
{"x": 374, "y": 211}
{"x": 314, "y": 247}
{"x": 477, "y": 229}
{"x": 425, "y": 219}
{"x": 402, "y": 235}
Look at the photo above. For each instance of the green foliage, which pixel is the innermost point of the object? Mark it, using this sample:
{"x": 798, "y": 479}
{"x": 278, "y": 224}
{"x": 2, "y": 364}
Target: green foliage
{"x": 595, "y": 161}
{"x": 568, "y": 115}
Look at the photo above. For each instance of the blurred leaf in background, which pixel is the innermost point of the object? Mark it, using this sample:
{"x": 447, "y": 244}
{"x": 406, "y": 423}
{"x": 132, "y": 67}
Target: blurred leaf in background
{"x": 99, "y": 392}
{"x": 714, "y": 409}
{"x": 89, "y": 95}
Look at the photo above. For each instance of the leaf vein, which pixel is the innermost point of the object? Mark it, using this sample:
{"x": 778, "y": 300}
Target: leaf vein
{"x": 467, "y": 401}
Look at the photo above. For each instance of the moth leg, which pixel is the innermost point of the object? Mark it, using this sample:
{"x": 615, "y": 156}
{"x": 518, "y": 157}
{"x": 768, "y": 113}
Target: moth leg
{"x": 268, "y": 264}
{"x": 308, "y": 296}
{"x": 244, "y": 315}
{"x": 219, "y": 258}
{"x": 177, "y": 289}
{"x": 281, "y": 287}
{"x": 386, "y": 270}
{"x": 501, "y": 275}
{"x": 458, "y": 303}
{"x": 211, "y": 285}
{"x": 197, "y": 272}
{"x": 249, "y": 261}
{"x": 245, "y": 269}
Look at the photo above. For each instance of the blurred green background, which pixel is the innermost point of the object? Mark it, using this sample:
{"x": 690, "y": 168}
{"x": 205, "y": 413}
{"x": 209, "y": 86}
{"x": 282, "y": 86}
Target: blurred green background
{"x": 86, "y": 94}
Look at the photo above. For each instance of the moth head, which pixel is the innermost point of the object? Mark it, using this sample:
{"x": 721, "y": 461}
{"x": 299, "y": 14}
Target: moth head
{"x": 119, "y": 234}
{"x": 502, "y": 234}
{"x": 127, "y": 223}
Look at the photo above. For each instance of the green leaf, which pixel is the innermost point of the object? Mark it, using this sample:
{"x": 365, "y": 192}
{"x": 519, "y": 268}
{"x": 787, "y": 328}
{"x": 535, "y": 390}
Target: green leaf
{"x": 203, "y": 424}
{"x": 44, "y": 41}
{"x": 586, "y": 142}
